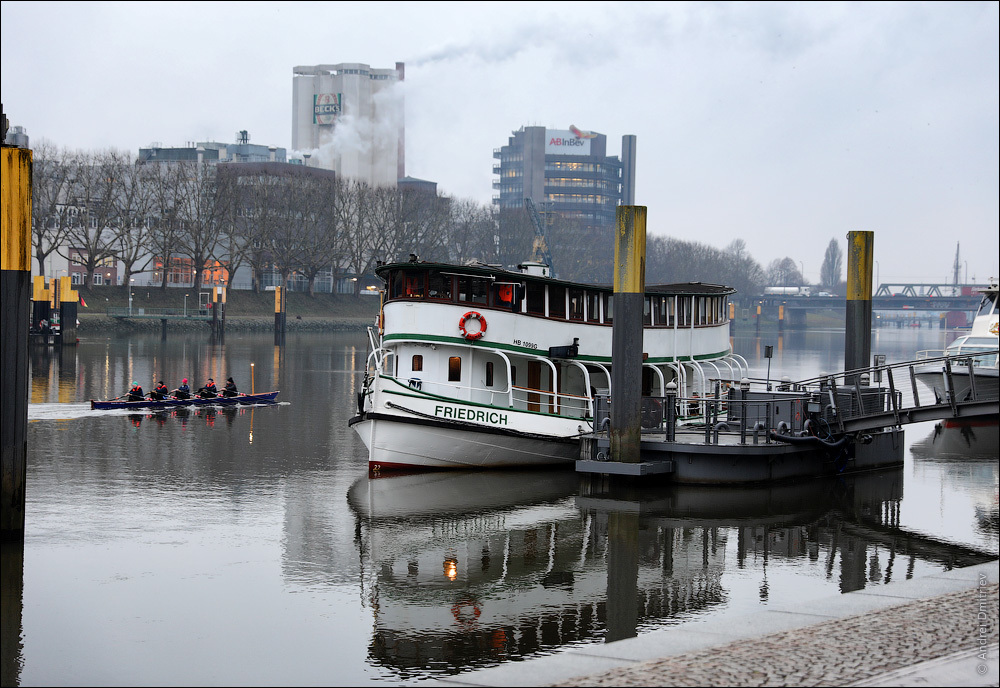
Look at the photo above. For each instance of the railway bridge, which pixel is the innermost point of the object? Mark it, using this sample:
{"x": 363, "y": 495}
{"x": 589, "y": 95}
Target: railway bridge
{"x": 921, "y": 300}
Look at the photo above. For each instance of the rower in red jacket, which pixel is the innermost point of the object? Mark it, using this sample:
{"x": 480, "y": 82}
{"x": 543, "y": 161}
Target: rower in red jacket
{"x": 159, "y": 392}
{"x": 135, "y": 394}
{"x": 209, "y": 390}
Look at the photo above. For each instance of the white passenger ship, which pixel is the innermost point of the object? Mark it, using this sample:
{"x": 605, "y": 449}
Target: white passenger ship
{"x": 976, "y": 367}
{"x": 477, "y": 366}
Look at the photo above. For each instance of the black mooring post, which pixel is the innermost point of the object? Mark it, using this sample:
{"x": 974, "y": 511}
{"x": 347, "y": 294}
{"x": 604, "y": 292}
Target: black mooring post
{"x": 15, "y": 299}
{"x": 279, "y": 315}
{"x": 626, "y": 337}
{"x": 858, "y": 313}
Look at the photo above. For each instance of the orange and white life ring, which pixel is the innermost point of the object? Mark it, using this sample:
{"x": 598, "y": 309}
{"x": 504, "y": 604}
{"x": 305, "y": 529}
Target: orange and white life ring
{"x": 472, "y": 315}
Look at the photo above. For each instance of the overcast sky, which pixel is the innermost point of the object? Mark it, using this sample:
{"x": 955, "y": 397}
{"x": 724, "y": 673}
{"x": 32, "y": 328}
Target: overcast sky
{"x": 784, "y": 124}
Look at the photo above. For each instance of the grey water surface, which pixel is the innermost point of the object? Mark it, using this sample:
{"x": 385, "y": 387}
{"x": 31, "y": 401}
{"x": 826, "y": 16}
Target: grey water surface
{"x": 249, "y": 546}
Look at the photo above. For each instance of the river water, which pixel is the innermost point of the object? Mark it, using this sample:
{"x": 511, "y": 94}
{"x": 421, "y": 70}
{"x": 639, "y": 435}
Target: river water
{"x": 249, "y": 546}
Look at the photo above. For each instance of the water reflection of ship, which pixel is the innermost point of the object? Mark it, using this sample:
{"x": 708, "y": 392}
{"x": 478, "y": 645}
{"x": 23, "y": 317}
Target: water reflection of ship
{"x": 471, "y": 569}
{"x": 965, "y": 454}
{"x": 962, "y": 439}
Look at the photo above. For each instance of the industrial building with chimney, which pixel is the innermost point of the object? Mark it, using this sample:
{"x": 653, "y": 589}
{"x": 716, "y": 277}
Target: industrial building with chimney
{"x": 349, "y": 118}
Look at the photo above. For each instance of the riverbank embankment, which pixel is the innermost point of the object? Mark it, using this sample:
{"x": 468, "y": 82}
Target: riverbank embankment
{"x": 245, "y": 310}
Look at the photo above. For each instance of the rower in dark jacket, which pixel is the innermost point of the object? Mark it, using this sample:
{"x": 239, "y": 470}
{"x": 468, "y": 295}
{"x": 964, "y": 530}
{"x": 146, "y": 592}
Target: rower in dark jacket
{"x": 184, "y": 391}
{"x": 135, "y": 394}
{"x": 209, "y": 390}
{"x": 159, "y": 392}
{"x": 230, "y": 390}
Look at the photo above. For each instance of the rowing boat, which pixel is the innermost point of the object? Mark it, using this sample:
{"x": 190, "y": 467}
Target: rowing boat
{"x": 172, "y": 402}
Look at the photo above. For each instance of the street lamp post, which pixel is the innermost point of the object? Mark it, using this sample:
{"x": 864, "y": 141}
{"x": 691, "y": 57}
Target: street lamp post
{"x": 186, "y": 305}
{"x": 130, "y": 287}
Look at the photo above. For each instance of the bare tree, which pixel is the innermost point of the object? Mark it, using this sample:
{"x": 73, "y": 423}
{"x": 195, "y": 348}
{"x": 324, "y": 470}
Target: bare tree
{"x": 165, "y": 221}
{"x": 425, "y": 217}
{"x": 135, "y": 206}
{"x": 742, "y": 272}
{"x": 236, "y": 229}
{"x": 290, "y": 203}
{"x": 784, "y": 272}
{"x": 514, "y": 235}
{"x": 581, "y": 252}
{"x": 51, "y": 213}
{"x": 94, "y": 234}
{"x": 322, "y": 238}
{"x": 350, "y": 201}
{"x": 384, "y": 224}
{"x": 833, "y": 265}
{"x": 199, "y": 216}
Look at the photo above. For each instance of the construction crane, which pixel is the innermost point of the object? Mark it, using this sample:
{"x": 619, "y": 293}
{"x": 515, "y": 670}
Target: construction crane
{"x": 540, "y": 246}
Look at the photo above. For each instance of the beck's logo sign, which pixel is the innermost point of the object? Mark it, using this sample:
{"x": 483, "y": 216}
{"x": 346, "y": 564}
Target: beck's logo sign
{"x": 326, "y": 107}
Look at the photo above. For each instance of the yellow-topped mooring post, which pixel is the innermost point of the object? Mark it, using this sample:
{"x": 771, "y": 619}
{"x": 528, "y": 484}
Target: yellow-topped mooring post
{"x": 858, "y": 312}
{"x": 626, "y": 338}
{"x": 68, "y": 307}
{"x": 279, "y": 315}
{"x": 15, "y": 298}
{"x": 219, "y": 313}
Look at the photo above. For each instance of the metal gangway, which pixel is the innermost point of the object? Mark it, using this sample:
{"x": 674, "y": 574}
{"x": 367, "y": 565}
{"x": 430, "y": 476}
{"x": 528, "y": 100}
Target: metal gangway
{"x": 887, "y": 395}
{"x": 852, "y": 404}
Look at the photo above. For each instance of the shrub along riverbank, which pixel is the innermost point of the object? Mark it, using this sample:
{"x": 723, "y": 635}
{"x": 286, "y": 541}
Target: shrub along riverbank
{"x": 244, "y": 309}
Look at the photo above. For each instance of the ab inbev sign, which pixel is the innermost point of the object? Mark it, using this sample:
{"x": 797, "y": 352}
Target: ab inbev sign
{"x": 568, "y": 142}
{"x": 326, "y": 107}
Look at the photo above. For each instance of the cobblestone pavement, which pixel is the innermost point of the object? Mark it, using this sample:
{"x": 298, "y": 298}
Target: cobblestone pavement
{"x": 855, "y": 649}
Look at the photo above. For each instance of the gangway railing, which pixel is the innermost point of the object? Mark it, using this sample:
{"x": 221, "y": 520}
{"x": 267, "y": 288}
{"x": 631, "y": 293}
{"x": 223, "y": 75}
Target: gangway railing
{"x": 904, "y": 392}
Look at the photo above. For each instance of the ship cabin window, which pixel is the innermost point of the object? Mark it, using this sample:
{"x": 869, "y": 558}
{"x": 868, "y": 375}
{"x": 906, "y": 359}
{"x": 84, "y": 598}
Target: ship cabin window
{"x": 455, "y": 369}
{"x": 489, "y": 373}
{"x": 413, "y": 285}
{"x": 557, "y": 301}
{"x": 647, "y": 311}
{"x": 684, "y": 311}
{"x": 505, "y": 295}
{"x": 609, "y": 308}
{"x": 417, "y": 364}
{"x": 535, "y": 298}
{"x": 663, "y": 311}
{"x": 439, "y": 286}
{"x": 575, "y": 304}
{"x": 593, "y": 306}
{"x": 473, "y": 290}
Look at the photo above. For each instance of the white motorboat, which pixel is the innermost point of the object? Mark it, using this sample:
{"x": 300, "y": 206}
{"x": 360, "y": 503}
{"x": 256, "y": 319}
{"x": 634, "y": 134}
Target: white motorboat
{"x": 969, "y": 364}
{"x": 478, "y": 366}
